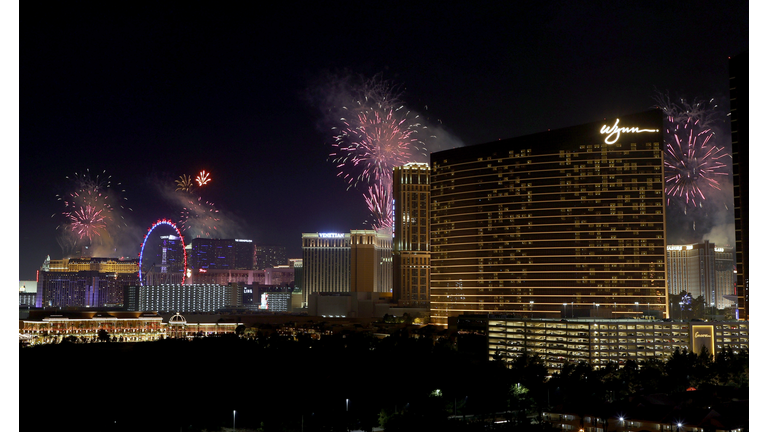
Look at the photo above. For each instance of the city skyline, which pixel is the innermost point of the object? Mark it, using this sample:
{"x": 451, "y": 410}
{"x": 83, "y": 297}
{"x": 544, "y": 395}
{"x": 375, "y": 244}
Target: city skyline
{"x": 146, "y": 96}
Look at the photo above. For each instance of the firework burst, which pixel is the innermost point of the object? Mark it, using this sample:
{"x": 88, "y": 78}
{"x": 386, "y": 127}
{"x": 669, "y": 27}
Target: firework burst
{"x": 87, "y": 222}
{"x": 375, "y": 134}
{"x": 185, "y": 184}
{"x": 203, "y": 178}
{"x": 92, "y": 210}
{"x": 371, "y": 145}
{"x": 692, "y": 163}
{"x": 380, "y": 204}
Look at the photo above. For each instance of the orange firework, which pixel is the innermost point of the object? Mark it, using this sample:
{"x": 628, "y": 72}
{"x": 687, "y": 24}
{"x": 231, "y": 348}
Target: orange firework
{"x": 203, "y": 178}
{"x": 185, "y": 184}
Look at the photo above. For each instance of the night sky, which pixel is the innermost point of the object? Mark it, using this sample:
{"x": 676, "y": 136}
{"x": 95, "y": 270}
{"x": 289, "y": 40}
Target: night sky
{"x": 150, "y": 92}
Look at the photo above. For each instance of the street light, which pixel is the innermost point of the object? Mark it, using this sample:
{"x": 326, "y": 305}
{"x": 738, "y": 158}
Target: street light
{"x": 233, "y": 419}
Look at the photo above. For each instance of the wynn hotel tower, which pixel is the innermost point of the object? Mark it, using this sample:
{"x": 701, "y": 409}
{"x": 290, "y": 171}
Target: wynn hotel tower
{"x": 559, "y": 224}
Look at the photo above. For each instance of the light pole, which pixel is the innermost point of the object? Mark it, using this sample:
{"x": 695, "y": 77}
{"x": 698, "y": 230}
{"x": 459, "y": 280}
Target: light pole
{"x": 565, "y": 308}
{"x": 233, "y": 419}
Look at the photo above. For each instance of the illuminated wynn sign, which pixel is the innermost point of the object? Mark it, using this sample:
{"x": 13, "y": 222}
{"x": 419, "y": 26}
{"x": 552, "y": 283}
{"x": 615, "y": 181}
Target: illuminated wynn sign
{"x": 615, "y": 131}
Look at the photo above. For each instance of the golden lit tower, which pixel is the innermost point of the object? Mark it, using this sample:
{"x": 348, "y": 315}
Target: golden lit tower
{"x": 569, "y": 222}
{"x": 411, "y": 243}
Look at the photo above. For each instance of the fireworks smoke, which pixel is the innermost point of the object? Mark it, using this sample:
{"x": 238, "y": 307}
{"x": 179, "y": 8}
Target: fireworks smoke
{"x": 199, "y": 219}
{"x": 197, "y": 216}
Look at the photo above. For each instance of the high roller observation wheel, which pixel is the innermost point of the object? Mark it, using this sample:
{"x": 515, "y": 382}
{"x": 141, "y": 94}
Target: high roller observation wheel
{"x": 144, "y": 242}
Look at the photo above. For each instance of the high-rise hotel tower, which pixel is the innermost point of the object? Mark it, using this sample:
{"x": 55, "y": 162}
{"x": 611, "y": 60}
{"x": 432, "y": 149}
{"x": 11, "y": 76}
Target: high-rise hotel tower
{"x": 410, "y": 247}
{"x": 360, "y": 261}
{"x": 562, "y": 223}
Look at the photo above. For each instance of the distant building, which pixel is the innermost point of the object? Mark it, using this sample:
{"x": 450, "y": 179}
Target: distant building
{"x": 125, "y": 327}
{"x": 360, "y": 261}
{"x": 276, "y": 301}
{"x": 221, "y": 254}
{"x": 280, "y": 275}
{"x": 27, "y": 293}
{"x": 223, "y": 277}
{"x": 410, "y": 246}
{"x": 28, "y": 286}
{"x": 27, "y": 299}
{"x": 183, "y": 298}
{"x": 298, "y": 272}
{"x": 85, "y": 282}
{"x": 738, "y": 68}
{"x": 267, "y": 256}
{"x": 701, "y": 269}
{"x": 371, "y": 260}
{"x": 326, "y": 263}
{"x": 599, "y": 342}
{"x": 122, "y": 326}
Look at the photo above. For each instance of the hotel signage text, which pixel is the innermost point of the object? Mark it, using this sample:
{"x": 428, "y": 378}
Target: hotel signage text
{"x": 703, "y": 337}
{"x": 615, "y": 131}
{"x": 331, "y": 235}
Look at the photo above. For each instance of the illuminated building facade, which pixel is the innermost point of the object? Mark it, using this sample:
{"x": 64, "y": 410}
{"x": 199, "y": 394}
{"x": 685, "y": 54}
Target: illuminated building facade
{"x": 602, "y": 341}
{"x": 183, "y": 298}
{"x": 701, "y": 269}
{"x": 298, "y": 272}
{"x": 410, "y": 247}
{"x": 326, "y": 263}
{"x": 221, "y": 254}
{"x": 85, "y": 282}
{"x": 370, "y": 260}
{"x": 121, "y": 327}
{"x": 738, "y": 67}
{"x": 573, "y": 216}
{"x": 101, "y": 265}
{"x": 267, "y": 256}
{"x": 360, "y": 261}
{"x": 124, "y": 327}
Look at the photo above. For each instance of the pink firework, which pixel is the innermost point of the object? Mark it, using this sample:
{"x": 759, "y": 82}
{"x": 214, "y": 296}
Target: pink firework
{"x": 371, "y": 145}
{"x": 379, "y": 200}
{"x": 692, "y": 162}
{"x": 87, "y": 222}
{"x": 375, "y": 133}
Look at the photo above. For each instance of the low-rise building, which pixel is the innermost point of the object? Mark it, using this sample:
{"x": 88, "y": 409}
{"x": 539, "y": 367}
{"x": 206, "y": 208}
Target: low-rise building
{"x": 125, "y": 327}
{"x": 600, "y": 341}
